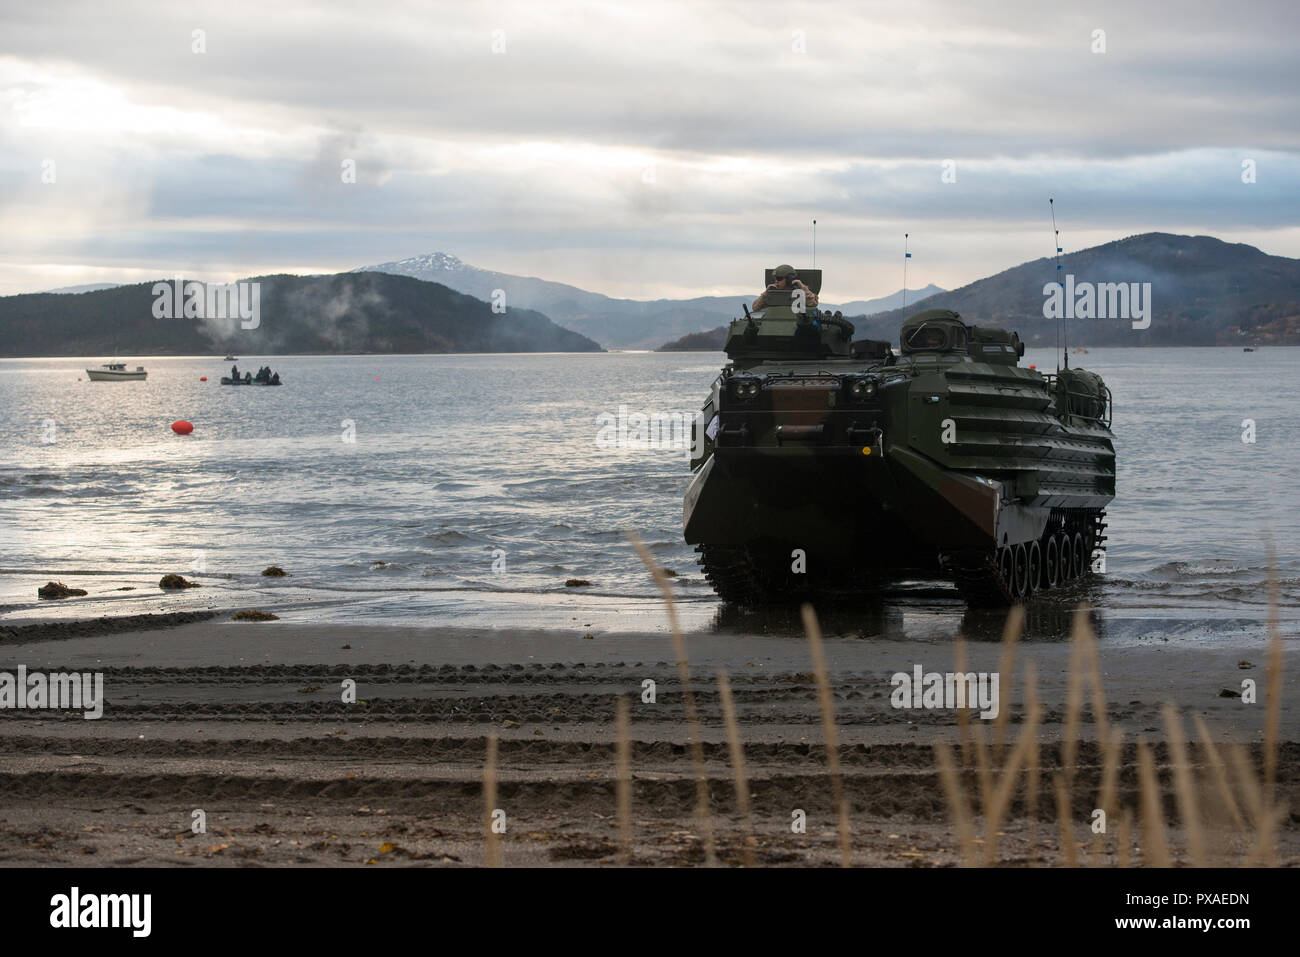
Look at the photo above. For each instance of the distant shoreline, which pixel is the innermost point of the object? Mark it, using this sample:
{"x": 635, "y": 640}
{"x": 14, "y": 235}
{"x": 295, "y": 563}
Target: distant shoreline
{"x": 314, "y": 355}
{"x": 660, "y": 351}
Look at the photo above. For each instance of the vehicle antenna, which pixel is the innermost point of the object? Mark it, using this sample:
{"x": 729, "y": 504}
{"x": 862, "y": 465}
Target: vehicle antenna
{"x": 1061, "y": 331}
{"x": 906, "y": 257}
{"x": 814, "y": 265}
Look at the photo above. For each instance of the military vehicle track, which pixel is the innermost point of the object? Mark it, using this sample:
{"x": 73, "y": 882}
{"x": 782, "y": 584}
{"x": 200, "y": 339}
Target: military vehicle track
{"x": 747, "y": 576}
{"x": 1013, "y": 574}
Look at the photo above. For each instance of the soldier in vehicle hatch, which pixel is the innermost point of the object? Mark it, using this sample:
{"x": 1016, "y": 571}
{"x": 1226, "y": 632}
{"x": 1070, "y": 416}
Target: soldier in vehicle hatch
{"x": 785, "y": 278}
{"x": 928, "y": 337}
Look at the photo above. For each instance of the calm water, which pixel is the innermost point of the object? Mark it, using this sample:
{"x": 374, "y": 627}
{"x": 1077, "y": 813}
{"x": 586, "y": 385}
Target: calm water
{"x": 460, "y": 460}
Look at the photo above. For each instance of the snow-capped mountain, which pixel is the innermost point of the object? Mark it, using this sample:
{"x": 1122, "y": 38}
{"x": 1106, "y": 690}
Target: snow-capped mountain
{"x": 614, "y": 323}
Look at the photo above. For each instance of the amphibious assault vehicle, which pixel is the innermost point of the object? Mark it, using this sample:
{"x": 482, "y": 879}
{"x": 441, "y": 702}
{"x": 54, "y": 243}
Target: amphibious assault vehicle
{"x": 829, "y": 465}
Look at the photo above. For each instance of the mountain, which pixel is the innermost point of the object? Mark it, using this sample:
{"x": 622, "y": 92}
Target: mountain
{"x": 617, "y": 323}
{"x": 710, "y": 340}
{"x": 1203, "y": 292}
{"x": 345, "y": 313}
{"x": 869, "y": 307}
{"x": 87, "y": 287}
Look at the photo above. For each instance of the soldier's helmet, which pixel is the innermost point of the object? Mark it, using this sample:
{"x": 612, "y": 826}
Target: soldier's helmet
{"x": 784, "y": 272}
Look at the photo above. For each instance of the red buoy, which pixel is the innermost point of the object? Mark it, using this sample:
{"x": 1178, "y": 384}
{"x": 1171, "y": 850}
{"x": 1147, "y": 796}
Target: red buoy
{"x": 203, "y": 378}
{"x": 181, "y": 427}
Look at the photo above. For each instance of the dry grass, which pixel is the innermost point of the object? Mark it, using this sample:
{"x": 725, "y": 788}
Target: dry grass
{"x": 1228, "y": 801}
{"x": 1008, "y": 778}
{"x": 1184, "y": 789}
{"x": 1015, "y": 624}
{"x": 492, "y": 849}
{"x": 1155, "y": 850}
{"x": 1219, "y": 795}
{"x": 688, "y": 696}
{"x": 952, "y": 789}
{"x": 737, "y": 750}
{"x": 814, "y": 633}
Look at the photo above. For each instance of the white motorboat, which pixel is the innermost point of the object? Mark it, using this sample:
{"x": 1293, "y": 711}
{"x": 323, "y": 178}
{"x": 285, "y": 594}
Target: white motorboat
{"x": 116, "y": 371}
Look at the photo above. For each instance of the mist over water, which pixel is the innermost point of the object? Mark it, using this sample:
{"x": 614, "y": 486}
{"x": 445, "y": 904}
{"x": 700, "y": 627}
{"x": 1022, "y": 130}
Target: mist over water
{"x": 460, "y": 461}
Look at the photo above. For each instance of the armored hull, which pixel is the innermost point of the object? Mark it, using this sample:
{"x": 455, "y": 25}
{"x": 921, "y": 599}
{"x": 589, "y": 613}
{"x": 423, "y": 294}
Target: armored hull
{"x": 831, "y": 466}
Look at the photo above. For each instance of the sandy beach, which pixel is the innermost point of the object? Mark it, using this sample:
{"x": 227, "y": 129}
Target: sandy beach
{"x": 246, "y": 723}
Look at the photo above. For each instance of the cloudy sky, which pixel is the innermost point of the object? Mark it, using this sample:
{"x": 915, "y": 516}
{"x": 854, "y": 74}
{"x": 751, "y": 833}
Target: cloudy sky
{"x": 639, "y": 149}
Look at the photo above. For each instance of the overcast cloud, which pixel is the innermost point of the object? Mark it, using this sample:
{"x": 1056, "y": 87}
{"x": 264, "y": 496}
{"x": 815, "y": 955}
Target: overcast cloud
{"x": 640, "y": 149}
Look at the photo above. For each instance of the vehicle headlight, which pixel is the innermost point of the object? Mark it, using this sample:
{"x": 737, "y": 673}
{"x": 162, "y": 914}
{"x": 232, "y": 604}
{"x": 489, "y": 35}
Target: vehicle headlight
{"x": 745, "y": 388}
{"x": 863, "y": 388}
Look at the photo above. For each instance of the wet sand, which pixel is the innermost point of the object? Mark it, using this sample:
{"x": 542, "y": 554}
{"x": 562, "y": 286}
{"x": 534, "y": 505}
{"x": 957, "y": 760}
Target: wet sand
{"x": 246, "y": 722}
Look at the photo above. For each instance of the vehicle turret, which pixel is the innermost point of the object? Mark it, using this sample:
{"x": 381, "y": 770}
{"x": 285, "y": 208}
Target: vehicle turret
{"x": 787, "y": 327}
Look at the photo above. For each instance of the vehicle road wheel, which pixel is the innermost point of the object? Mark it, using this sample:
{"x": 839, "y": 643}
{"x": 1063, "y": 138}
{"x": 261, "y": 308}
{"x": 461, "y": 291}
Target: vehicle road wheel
{"x": 1007, "y": 567}
{"x": 1052, "y": 565}
{"x": 1081, "y": 558}
{"x": 1066, "y": 559}
{"x": 1021, "y": 587}
{"x": 1035, "y": 568}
